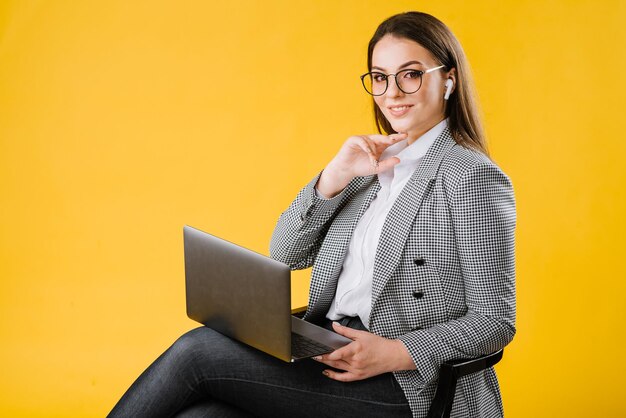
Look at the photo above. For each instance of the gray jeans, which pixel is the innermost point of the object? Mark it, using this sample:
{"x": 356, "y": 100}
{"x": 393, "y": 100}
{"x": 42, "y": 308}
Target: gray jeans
{"x": 205, "y": 374}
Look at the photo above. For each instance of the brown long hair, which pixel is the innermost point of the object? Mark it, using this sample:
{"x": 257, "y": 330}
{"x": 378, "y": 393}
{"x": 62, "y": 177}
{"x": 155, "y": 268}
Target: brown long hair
{"x": 462, "y": 108}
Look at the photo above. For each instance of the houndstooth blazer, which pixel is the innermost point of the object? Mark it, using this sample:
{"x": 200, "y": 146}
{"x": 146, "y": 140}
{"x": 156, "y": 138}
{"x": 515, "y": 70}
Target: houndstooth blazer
{"x": 444, "y": 270}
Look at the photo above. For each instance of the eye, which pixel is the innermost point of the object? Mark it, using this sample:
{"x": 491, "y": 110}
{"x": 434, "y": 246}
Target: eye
{"x": 412, "y": 74}
{"x": 379, "y": 77}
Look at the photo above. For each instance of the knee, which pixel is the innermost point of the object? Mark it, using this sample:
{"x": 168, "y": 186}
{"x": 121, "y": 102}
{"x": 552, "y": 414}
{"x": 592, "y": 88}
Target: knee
{"x": 192, "y": 343}
{"x": 196, "y": 338}
{"x": 205, "y": 346}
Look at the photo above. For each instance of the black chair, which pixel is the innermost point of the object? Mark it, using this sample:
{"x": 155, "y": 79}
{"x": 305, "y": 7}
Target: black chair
{"x": 450, "y": 372}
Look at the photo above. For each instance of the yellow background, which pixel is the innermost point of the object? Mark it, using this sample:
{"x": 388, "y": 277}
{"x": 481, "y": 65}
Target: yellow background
{"x": 121, "y": 121}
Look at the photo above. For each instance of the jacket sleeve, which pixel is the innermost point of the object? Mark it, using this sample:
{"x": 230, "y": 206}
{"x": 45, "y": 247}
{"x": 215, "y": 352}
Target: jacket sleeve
{"x": 301, "y": 228}
{"x": 482, "y": 206}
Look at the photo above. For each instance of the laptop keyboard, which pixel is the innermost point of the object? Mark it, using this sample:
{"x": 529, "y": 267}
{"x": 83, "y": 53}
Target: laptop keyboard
{"x": 302, "y": 347}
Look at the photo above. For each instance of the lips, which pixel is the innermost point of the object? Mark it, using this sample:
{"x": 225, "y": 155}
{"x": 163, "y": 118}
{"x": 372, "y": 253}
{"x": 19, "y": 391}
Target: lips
{"x": 399, "y": 110}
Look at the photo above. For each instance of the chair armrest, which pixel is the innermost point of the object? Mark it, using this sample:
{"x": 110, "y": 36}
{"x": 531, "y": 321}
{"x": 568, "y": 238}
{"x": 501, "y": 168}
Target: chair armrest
{"x": 465, "y": 367}
{"x": 449, "y": 373}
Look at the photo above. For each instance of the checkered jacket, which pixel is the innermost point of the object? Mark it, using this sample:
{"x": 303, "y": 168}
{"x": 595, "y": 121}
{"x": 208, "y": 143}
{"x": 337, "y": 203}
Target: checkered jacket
{"x": 444, "y": 270}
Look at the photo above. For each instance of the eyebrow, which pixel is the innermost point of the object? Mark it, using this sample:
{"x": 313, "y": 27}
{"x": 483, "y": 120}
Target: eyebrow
{"x": 406, "y": 64}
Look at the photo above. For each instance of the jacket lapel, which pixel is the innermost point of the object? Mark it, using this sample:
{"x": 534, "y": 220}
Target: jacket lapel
{"x": 330, "y": 262}
{"x": 345, "y": 226}
{"x": 400, "y": 218}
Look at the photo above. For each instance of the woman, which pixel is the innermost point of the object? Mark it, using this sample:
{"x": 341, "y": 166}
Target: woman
{"x": 411, "y": 237}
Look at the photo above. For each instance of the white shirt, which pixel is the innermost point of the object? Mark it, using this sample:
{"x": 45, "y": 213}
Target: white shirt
{"x": 354, "y": 288}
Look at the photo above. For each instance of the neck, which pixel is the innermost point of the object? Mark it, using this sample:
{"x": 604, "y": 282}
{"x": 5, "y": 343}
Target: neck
{"x": 418, "y": 132}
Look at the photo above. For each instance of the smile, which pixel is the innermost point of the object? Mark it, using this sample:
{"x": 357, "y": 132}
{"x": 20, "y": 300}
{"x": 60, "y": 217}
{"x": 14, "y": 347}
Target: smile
{"x": 399, "y": 110}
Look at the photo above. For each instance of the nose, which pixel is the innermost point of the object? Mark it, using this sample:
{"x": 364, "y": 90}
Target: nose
{"x": 392, "y": 87}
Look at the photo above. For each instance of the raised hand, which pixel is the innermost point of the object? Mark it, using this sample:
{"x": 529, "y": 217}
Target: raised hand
{"x": 358, "y": 156}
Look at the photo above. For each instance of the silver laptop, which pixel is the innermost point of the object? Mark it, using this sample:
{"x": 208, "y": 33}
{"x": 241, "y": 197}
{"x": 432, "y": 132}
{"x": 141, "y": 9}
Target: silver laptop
{"x": 247, "y": 296}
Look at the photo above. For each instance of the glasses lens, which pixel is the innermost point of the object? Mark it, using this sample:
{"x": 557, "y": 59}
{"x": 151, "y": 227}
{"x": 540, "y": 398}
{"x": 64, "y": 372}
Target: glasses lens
{"x": 409, "y": 81}
{"x": 375, "y": 83}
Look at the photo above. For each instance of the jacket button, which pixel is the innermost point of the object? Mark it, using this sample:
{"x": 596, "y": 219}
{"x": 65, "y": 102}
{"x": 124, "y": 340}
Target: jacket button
{"x": 418, "y": 294}
{"x": 419, "y": 261}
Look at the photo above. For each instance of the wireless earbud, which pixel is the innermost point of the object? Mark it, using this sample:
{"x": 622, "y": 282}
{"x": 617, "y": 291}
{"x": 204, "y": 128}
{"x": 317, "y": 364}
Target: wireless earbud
{"x": 449, "y": 85}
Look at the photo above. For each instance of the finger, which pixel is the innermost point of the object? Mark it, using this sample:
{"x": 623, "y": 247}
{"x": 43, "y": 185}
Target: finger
{"x": 363, "y": 142}
{"x": 347, "y": 331}
{"x": 392, "y": 139}
{"x": 387, "y": 164}
{"x": 383, "y": 142}
{"x": 388, "y": 139}
{"x": 336, "y": 364}
{"x": 398, "y": 136}
{"x": 339, "y": 354}
{"x": 342, "y": 353}
{"x": 341, "y": 376}
{"x": 372, "y": 150}
{"x": 365, "y": 146}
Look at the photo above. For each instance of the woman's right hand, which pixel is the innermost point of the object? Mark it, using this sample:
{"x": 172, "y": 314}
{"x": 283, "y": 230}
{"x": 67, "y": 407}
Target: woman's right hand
{"x": 358, "y": 156}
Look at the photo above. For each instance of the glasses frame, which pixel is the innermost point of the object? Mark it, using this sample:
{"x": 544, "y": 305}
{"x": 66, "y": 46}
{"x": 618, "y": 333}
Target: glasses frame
{"x": 395, "y": 76}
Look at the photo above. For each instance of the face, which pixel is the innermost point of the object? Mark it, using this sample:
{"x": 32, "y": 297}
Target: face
{"x": 418, "y": 112}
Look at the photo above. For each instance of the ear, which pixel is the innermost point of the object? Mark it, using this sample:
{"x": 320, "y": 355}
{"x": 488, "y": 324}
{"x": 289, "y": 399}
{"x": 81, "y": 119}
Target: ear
{"x": 451, "y": 75}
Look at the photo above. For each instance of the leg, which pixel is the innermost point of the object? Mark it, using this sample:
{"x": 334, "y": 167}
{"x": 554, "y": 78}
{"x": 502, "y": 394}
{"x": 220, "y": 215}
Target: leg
{"x": 213, "y": 408}
{"x": 204, "y": 366}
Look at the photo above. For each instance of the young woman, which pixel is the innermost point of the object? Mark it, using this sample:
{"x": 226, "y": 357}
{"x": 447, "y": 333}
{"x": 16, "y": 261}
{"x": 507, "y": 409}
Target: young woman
{"x": 411, "y": 237}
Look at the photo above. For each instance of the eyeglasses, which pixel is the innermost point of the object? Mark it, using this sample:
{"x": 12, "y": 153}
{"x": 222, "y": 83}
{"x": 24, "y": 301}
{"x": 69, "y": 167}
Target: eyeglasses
{"x": 408, "y": 81}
